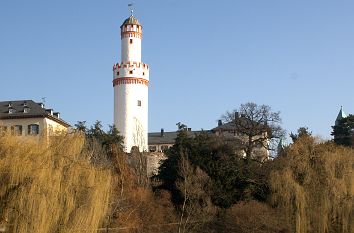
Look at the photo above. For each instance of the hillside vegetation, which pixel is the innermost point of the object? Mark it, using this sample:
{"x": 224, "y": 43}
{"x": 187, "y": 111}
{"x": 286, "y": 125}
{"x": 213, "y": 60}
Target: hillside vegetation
{"x": 313, "y": 185}
{"x": 75, "y": 183}
{"x": 51, "y": 187}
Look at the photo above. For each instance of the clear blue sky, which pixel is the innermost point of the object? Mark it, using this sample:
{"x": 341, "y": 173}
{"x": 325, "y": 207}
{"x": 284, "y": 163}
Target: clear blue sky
{"x": 206, "y": 57}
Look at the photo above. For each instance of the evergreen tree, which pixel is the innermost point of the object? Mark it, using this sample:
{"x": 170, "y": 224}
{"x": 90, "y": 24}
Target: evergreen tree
{"x": 232, "y": 178}
{"x": 301, "y": 132}
{"x": 343, "y": 132}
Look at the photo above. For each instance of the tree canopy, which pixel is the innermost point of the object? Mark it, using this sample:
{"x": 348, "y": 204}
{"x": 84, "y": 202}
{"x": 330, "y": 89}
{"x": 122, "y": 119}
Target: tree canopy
{"x": 258, "y": 124}
{"x": 107, "y": 139}
{"x": 301, "y": 132}
{"x": 343, "y": 132}
{"x": 231, "y": 178}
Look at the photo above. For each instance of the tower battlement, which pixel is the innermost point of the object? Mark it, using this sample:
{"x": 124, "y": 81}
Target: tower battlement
{"x": 130, "y": 64}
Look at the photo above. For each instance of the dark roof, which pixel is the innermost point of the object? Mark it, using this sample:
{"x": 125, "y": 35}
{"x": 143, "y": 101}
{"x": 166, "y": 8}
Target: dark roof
{"x": 26, "y": 109}
{"x": 131, "y": 20}
{"x": 156, "y": 138}
{"x": 225, "y": 127}
{"x": 167, "y": 138}
{"x": 234, "y": 125}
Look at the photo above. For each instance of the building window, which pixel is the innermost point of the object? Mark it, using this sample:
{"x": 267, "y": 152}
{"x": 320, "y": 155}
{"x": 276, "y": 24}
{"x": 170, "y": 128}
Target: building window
{"x": 16, "y": 130}
{"x": 11, "y": 110}
{"x": 33, "y": 129}
{"x": 139, "y": 103}
{"x": 152, "y": 148}
{"x": 26, "y": 110}
{"x": 131, "y": 41}
{"x": 130, "y": 72}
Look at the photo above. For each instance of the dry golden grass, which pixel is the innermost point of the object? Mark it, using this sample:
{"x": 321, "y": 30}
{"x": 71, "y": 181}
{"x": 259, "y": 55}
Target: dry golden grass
{"x": 51, "y": 187}
{"x": 314, "y": 186}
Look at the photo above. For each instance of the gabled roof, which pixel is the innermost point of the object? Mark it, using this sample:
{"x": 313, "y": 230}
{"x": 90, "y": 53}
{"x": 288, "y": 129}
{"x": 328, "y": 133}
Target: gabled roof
{"x": 340, "y": 116}
{"x": 229, "y": 126}
{"x": 27, "y": 109}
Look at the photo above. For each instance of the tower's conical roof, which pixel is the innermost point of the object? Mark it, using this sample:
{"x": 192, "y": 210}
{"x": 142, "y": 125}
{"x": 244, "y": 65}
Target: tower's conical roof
{"x": 341, "y": 115}
{"x": 131, "y": 20}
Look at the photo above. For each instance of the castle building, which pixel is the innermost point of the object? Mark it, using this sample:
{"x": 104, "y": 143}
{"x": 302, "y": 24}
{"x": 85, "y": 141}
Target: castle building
{"x": 130, "y": 83}
{"x": 28, "y": 118}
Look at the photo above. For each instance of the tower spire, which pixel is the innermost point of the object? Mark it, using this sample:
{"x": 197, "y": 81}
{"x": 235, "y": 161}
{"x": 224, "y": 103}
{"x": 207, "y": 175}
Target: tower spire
{"x": 341, "y": 115}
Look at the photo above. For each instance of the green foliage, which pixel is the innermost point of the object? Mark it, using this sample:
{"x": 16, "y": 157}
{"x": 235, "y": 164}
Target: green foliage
{"x": 343, "y": 132}
{"x": 106, "y": 139}
{"x": 232, "y": 178}
{"x": 301, "y": 132}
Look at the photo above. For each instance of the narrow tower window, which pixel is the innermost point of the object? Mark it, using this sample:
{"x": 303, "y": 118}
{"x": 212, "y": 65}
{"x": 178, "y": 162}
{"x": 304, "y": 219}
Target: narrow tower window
{"x": 131, "y": 41}
{"x": 139, "y": 103}
{"x": 130, "y": 72}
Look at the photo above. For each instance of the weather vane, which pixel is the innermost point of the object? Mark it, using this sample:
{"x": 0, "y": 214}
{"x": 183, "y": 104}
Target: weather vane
{"x": 130, "y": 5}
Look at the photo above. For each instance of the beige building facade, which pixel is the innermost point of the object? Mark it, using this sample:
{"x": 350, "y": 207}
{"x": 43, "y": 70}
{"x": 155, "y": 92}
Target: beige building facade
{"x": 28, "y": 118}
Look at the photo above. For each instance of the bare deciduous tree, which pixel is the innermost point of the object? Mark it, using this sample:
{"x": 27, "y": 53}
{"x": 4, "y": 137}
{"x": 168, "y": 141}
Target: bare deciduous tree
{"x": 257, "y": 125}
{"x": 197, "y": 207}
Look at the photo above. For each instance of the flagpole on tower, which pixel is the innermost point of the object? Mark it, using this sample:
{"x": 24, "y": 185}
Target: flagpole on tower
{"x": 130, "y": 5}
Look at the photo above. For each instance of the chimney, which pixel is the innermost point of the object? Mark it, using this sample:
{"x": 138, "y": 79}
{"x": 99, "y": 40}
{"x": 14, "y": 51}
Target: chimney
{"x": 57, "y": 115}
{"x": 237, "y": 115}
{"x": 41, "y": 104}
{"x": 162, "y": 132}
{"x": 49, "y": 111}
{"x": 219, "y": 122}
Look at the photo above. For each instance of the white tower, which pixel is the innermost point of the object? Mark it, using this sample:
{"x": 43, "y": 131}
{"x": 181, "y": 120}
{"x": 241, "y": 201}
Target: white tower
{"x": 130, "y": 83}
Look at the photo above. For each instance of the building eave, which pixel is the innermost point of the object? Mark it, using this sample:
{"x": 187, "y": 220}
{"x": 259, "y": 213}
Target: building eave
{"x": 60, "y": 121}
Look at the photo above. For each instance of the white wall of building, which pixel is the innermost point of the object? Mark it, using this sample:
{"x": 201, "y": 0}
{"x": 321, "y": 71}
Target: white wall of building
{"x": 130, "y": 119}
{"x": 131, "y": 51}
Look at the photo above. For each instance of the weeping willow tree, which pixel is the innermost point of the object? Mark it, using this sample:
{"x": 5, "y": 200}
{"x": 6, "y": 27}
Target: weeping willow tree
{"x": 51, "y": 186}
{"x": 314, "y": 186}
